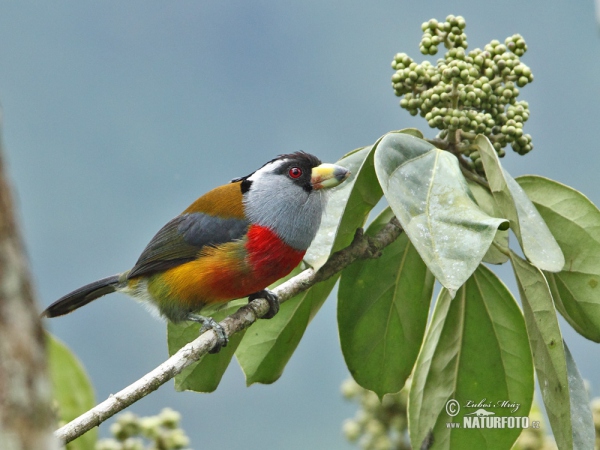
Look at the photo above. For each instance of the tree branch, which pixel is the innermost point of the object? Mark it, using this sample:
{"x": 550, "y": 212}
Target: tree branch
{"x": 361, "y": 247}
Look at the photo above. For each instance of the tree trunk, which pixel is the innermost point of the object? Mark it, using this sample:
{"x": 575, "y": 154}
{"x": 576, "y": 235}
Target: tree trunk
{"x": 26, "y": 417}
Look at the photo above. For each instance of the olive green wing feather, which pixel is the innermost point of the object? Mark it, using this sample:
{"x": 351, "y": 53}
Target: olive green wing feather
{"x": 181, "y": 239}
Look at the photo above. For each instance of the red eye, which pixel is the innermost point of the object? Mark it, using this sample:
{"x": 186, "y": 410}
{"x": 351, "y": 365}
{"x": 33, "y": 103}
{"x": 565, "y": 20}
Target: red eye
{"x": 295, "y": 172}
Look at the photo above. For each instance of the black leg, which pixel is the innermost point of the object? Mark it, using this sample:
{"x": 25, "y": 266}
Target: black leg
{"x": 208, "y": 323}
{"x": 269, "y": 296}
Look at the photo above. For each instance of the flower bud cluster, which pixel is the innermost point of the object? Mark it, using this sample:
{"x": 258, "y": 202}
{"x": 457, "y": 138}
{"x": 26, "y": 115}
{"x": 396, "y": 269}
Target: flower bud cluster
{"x": 130, "y": 433}
{"x": 378, "y": 425}
{"x": 472, "y": 91}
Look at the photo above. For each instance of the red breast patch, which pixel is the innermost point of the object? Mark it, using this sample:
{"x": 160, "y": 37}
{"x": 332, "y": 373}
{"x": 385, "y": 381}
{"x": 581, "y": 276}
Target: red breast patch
{"x": 270, "y": 257}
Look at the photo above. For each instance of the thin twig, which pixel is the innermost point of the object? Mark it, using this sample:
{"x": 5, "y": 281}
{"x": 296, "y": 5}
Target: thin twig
{"x": 361, "y": 247}
{"x": 475, "y": 177}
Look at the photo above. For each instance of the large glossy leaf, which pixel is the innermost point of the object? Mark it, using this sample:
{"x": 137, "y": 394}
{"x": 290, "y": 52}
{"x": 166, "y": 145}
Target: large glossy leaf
{"x": 347, "y": 206}
{"x": 575, "y": 223}
{"x": 547, "y": 347}
{"x": 537, "y": 242}
{"x": 73, "y": 391}
{"x": 383, "y": 306}
{"x": 498, "y": 251}
{"x": 475, "y": 350}
{"x": 269, "y": 344}
{"x": 205, "y": 374}
{"x": 429, "y": 195}
{"x": 584, "y": 435}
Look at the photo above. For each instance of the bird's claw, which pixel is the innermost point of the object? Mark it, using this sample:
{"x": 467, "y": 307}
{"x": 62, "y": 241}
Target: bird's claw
{"x": 271, "y": 297}
{"x": 208, "y": 323}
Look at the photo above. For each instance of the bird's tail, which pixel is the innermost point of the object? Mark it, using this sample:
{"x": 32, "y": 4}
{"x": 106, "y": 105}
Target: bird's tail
{"x": 82, "y": 296}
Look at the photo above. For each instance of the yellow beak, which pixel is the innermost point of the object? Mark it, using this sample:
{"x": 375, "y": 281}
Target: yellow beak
{"x": 327, "y": 176}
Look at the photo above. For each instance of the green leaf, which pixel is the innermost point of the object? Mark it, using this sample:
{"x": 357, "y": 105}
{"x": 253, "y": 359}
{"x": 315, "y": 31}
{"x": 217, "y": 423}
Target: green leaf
{"x": 575, "y": 223}
{"x": 498, "y": 251}
{"x": 349, "y": 204}
{"x": 547, "y": 347}
{"x": 205, "y": 374}
{"x": 475, "y": 350}
{"x": 428, "y": 193}
{"x": 269, "y": 344}
{"x": 537, "y": 242}
{"x": 347, "y": 207}
{"x": 412, "y": 131}
{"x": 73, "y": 390}
{"x": 584, "y": 435}
{"x": 383, "y": 306}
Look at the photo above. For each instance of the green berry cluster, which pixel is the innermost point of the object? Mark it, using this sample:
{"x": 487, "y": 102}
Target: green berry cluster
{"x": 378, "y": 425}
{"x": 130, "y": 432}
{"x": 467, "y": 92}
{"x": 450, "y": 33}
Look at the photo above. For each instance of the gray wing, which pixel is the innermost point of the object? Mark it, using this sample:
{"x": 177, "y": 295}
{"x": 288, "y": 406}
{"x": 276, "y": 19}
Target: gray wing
{"x": 180, "y": 240}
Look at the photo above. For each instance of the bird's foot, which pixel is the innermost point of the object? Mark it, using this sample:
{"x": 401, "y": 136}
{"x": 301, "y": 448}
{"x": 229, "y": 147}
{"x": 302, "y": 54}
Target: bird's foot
{"x": 270, "y": 297}
{"x": 208, "y": 323}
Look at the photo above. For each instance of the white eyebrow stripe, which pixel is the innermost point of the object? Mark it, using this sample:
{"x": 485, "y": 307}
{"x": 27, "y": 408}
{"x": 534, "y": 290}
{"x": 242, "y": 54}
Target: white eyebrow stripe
{"x": 267, "y": 168}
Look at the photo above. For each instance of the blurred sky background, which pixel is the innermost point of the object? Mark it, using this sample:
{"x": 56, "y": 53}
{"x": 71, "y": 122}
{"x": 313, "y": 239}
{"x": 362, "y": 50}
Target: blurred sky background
{"x": 117, "y": 115}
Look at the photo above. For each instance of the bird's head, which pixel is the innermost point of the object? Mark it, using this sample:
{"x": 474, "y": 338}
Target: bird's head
{"x": 287, "y": 195}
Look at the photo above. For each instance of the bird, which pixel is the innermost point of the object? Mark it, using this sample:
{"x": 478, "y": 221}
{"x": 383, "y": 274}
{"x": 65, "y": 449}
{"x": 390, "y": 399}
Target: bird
{"x": 230, "y": 243}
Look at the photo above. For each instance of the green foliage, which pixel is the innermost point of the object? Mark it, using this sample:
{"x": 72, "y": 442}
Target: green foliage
{"x": 533, "y": 234}
{"x": 454, "y": 201}
{"x": 558, "y": 376}
{"x": 573, "y": 220}
{"x": 498, "y": 251}
{"x": 73, "y": 391}
{"x": 432, "y": 201}
{"x": 382, "y": 312}
{"x": 161, "y": 432}
{"x": 476, "y": 348}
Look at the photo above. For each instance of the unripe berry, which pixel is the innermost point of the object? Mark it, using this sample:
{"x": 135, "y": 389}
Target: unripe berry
{"x": 352, "y": 430}
{"x": 501, "y": 50}
{"x": 133, "y": 444}
{"x": 375, "y": 428}
{"x": 169, "y": 418}
{"x": 176, "y": 439}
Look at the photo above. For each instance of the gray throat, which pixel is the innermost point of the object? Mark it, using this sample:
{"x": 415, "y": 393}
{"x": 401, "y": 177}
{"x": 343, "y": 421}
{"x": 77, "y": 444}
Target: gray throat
{"x": 294, "y": 218}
